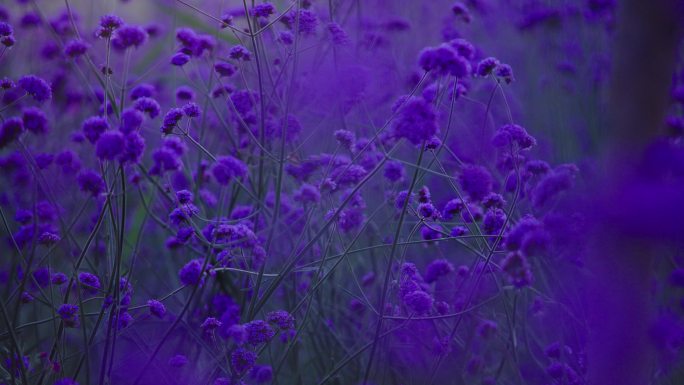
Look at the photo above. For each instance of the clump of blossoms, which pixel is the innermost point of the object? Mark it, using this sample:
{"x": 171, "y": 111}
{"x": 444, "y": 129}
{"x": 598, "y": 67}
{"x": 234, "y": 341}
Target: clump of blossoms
{"x": 299, "y": 192}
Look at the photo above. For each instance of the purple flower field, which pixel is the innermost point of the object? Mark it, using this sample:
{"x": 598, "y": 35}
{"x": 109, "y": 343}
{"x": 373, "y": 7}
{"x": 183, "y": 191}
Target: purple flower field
{"x": 342, "y": 192}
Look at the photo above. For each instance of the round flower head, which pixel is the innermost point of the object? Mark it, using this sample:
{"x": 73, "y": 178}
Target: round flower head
{"x": 228, "y": 168}
{"x": 461, "y": 11}
{"x": 185, "y": 93}
{"x": 262, "y": 374}
{"x": 35, "y": 120}
{"x": 444, "y": 60}
{"x": 191, "y": 273}
{"x": 225, "y": 69}
{"x": 93, "y": 127}
{"x": 436, "y": 269}
{"x": 307, "y": 194}
{"x": 517, "y": 269}
{"x": 191, "y": 110}
{"x": 337, "y": 34}
{"x": 306, "y": 20}
{"x": 131, "y": 120}
{"x": 90, "y": 182}
{"x": 258, "y": 332}
{"x": 48, "y": 238}
{"x": 8, "y": 41}
{"x": 6, "y": 29}
{"x": 426, "y": 210}
{"x": 345, "y": 138}
{"x": 129, "y": 36}
{"x": 147, "y": 105}
{"x": 7, "y": 84}
{"x": 419, "y": 302}
{"x": 171, "y": 119}
{"x": 394, "y": 171}
{"x": 180, "y": 59}
{"x": 262, "y": 10}
{"x": 505, "y": 72}
{"x": 280, "y": 318}
{"x": 110, "y": 145}
{"x": 242, "y": 360}
{"x": 90, "y": 282}
{"x": 142, "y": 90}
{"x": 416, "y": 121}
{"x": 239, "y": 52}
{"x": 552, "y": 184}
{"x": 156, "y": 308}
{"x": 476, "y": 181}
{"x": 184, "y": 196}
{"x": 69, "y": 315}
{"x": 511, "y": 134}
{"x": 134, "y": 146}
{"x": 464, "y": 48}
{"x": 178, "y": 361}
{"x": 486, "y": 66}
{"x": 10, "y": 131}
{"x": 38, "y": 88}
{"x": 494, "y": 221}
{"x": 108, "y": 24}
{"x": 75, "y": 48}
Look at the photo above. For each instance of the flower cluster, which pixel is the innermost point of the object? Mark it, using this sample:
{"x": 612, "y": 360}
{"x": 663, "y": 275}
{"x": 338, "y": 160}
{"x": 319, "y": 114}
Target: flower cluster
{"x": 319, "y": 192}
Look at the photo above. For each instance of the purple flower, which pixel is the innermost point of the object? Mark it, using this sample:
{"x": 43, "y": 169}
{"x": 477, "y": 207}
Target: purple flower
{"x": 486, "y": 66}
{"x": 416, "y": 121}
{"x": 436, "y": 269}
{"x": 91, "y": 284}
{"x": 156, "y": 308}
{"x": 517, "y": 269}
{"x": 131, "y": 120}
{"x": 228, "y": 168}
{"x": 239, "y": 52}
{"x": 494, "y": 221}
{"x": 90, "y": 182}
{"x": 511, "y": 134}
{"x": 191, "y": 273}
{"x": 5, "y": 29}
{"x": 147, "y": 105}
{"x": 171, "y": 119}
{"x": 180, "y": 59}
{"x": 69, "y": 314}
{"x": 552, "y": 184}
{"x": 75, "y": 48}
{"x": 185, "y": 93}
{"x": 108, "y": 24}
{"x": 258, "y": 332}
{"x": 280, "y": 318}
{"x": 129, "y": 36}
{"x": 262, "y": 10}
{"x": 242, "y": 360}
{"x": 225, "y": 69}
{"x": 93, "y": 127}
{"x": 394, "y": 171}
{"x": 475, "y": 181}
{"x": 38, "y": 88}
{"x": 142, "y": 90}
{"x": 419, "y": 302}
{"x": 10, "y": 131}
{"x": 191, "y": 110}
{"x": 35, "y": 120}
{"x": 110, "y": 145}
{"x": 178, "y": 361}
{"x": 444, "y": 60}
{"x": 337, "y": 34}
